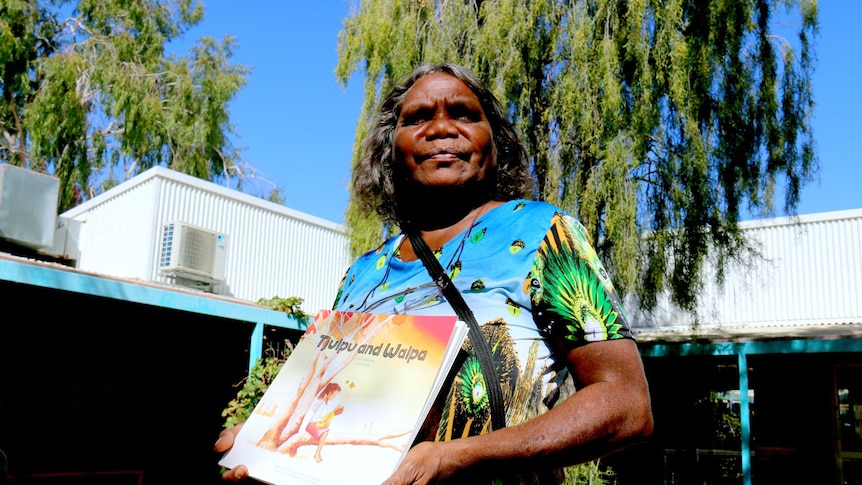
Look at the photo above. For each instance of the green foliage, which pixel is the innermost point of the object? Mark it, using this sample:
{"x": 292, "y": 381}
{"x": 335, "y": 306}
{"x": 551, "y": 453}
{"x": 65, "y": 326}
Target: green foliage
{"x": 276, "y": 196}
{"x": 253, "y": 387}
{"x": 725, "y": 420}
{"x": 592, "y": 473}
{"x": 91, "y": 94}
{"x": 290, "y": 305}
{"x": 657, "y": 123}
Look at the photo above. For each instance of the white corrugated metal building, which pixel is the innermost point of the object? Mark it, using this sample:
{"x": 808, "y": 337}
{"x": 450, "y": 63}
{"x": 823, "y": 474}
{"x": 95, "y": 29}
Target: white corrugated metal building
{"x": 808, "y": 280}
{"x": 150, "y": 228}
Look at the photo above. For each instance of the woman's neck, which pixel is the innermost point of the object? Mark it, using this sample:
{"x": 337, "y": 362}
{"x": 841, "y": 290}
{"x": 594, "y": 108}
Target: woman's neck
{"x": 437, "y": 235}
{"x": 429, "y": 208}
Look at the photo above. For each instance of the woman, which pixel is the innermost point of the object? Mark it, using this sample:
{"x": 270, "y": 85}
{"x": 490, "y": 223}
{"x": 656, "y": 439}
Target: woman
{"x": 443, "y": 162}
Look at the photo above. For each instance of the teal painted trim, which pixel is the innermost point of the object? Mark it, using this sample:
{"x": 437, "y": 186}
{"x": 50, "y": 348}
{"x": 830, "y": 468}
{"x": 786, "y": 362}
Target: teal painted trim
{"x": 798, "y": 346}
{"x": 255, "y": 347}
{"x": 744, "y": 420}
{"x": 76, "y": 282}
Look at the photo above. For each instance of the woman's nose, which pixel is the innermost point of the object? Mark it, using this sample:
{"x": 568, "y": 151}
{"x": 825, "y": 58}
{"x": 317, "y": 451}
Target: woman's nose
{"x": 442, "y": 126}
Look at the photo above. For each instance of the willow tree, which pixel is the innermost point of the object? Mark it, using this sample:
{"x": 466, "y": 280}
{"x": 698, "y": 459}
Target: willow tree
{"x": 659, "y": 123}
{"x": 92, "y": 96}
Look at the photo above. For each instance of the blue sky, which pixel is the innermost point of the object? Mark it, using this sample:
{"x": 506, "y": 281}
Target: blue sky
{"x": 296, "y": 124}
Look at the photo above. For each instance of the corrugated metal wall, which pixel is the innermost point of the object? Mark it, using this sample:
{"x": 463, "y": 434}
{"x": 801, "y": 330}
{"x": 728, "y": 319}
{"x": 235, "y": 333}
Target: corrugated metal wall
{"x": 115, "y": 232}
{"x": 272, "y": 250}
{"x": 810, "y": 274}
{"x": 813, "y": 273}
{"x": 269, "y": 253}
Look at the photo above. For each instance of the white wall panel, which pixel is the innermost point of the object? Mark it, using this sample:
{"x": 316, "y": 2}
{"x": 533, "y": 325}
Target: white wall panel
{"x": 113, "y": 234}
{"x": 272, "y": 250}
{"x": 810, "y": 274}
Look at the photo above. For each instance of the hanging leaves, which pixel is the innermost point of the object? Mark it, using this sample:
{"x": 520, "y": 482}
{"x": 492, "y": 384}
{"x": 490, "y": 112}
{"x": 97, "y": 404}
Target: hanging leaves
{"x": 657, "y": 123}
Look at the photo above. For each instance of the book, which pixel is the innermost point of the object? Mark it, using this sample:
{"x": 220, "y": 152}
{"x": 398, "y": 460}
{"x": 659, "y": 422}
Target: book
{"x": 349, "y": 400}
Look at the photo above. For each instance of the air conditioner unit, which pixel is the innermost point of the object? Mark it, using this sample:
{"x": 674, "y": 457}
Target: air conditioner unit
{"x": 192, "y": 252}
{"x": 28, "y": 206}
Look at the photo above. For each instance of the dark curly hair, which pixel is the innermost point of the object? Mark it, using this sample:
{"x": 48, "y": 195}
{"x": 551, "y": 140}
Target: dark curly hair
{"x": 374, "y": 184}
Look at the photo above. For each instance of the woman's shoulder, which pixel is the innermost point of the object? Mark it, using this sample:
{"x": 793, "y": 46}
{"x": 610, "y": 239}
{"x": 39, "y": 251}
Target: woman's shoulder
{"x": 389, "y": 244}
{"x": 372, "y": 257}
{"x": 524, "y": 220}
{"x": 531, "y": 209}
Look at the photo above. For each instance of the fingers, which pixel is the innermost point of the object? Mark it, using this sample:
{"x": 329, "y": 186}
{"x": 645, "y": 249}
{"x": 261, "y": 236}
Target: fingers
{"x": 421, "y": 466}
{"x": 235, "y": 474}
{"x": 224, "y": 443}
{"x": 226, "y": 438}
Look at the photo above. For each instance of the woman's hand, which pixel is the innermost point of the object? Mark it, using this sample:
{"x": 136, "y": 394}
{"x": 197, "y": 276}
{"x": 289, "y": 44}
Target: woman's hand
{"x": 223, "y": 444}
{"x": 425, "y": 463}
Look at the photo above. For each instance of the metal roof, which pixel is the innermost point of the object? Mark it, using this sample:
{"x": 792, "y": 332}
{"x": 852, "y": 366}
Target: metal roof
{"x": 203, "y": 185}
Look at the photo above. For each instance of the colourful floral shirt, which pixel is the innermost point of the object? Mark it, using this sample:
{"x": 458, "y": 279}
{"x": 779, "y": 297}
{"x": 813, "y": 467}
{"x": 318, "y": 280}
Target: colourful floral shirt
{"x": 529, "y": 274}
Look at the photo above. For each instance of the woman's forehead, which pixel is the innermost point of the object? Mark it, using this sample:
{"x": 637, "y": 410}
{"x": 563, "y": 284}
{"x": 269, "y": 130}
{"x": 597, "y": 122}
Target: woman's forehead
{"x": 440, "y": 86}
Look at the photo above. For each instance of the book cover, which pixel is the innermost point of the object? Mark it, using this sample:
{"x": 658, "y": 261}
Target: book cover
{"x": 348, "y": 401}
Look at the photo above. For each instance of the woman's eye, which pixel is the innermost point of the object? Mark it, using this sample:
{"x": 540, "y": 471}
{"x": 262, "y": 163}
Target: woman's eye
{"x": 465, "y": 114}
{"x": 415, "y": 117}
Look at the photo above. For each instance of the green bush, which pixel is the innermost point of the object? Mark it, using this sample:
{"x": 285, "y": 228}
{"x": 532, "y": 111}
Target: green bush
{"x": 289, "y": 305}
{"x": 259, "y": 379}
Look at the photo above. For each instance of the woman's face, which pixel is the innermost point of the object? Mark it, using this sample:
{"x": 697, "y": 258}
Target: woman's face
{"x": 443, "y": 137}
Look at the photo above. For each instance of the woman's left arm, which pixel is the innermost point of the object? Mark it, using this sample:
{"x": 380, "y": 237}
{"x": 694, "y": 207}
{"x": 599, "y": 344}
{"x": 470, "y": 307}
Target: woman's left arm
{"x": 610, "y": 410}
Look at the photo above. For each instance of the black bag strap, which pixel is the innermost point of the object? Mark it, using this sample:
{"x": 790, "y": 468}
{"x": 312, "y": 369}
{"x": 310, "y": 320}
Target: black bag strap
{"x": 480, "y": 344}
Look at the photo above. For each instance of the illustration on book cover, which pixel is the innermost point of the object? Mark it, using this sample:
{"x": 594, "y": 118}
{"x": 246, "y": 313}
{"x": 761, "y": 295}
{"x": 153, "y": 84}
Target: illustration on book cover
{"x": 350, "y": 396}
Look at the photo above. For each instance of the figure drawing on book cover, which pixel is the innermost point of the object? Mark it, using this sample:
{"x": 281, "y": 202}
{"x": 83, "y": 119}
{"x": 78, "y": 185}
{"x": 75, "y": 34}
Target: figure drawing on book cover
{"x": 353, "y": 392}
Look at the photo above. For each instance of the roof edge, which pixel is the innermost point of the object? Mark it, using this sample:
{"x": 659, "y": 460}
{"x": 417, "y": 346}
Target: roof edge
{"x": 802, "y": 219}
{"x": 205, "y": 185}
